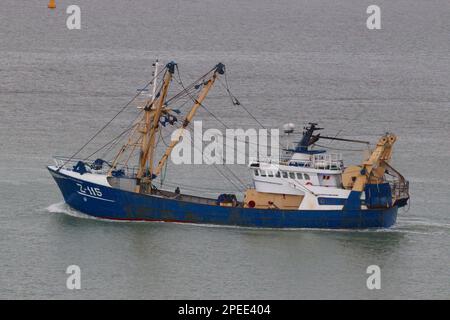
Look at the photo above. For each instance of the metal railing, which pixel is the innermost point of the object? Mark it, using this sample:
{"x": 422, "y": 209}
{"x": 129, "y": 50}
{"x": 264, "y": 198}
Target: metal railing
{"x": 69, "y": 163}
{"x": 331, "y": 161}
{"x": 399, "y": 188}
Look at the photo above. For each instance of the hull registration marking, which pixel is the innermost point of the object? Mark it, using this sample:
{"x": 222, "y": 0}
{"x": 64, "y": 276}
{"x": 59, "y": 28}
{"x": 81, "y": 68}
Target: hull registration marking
{"x": 91, "y": 193}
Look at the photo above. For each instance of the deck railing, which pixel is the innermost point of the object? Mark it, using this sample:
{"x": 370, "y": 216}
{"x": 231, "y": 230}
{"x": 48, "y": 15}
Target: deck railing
{"x": 331, "y": 161}
{"x": 399, "y": 188}
{"x": 69, "y": 163}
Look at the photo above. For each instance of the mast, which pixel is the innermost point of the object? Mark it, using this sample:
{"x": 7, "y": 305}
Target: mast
{"x": 153, "y": 111}
{"x": 141, "y": 125}
{"x": 154, "y": 73}
{"x": 219, "y": 69}
{"x": 148, "y": 126}
{"x": 308, "y": 139}
{"x": 149, "y": 105}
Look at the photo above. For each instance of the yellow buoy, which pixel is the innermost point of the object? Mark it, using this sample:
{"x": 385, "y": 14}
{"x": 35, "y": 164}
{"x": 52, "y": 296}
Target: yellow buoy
{"x": 51, "y": 4}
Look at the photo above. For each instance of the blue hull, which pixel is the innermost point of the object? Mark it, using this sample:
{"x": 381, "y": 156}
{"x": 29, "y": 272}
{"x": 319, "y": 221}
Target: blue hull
{"x": 117, "y": 204}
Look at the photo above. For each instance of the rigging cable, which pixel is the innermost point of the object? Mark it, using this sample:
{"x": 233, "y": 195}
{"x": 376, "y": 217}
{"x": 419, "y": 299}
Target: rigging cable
{"x": 111, "y": 120}
{"x": 194, "y": 84}
{"x": 348, "y": 121}
{"x": 195, "y": 101}
{"x": 214, "y": 164}
{"x": 114, "y": 141}
{"x": 339, "y": 149}
{"x": 236, "y": 102}
{"x": 226, "y": 168}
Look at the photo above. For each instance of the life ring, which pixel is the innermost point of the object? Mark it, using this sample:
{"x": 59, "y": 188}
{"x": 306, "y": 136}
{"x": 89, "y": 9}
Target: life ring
{"x": 251, "y": 204}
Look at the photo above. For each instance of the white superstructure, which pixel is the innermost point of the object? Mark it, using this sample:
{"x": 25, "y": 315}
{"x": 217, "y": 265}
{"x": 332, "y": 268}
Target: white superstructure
{"x": 312, "y": 170}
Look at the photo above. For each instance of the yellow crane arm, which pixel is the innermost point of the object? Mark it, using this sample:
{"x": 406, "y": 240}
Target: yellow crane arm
{"x": 375, "y": 164}
{"x": 198, "y": 102}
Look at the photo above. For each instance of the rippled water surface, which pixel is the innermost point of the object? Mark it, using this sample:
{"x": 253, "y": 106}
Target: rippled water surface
{"x": 288, "y": 60}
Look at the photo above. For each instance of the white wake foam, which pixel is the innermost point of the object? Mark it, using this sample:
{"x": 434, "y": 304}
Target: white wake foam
{"x": 62, "y": 207}
{"x": 419, "y": 221}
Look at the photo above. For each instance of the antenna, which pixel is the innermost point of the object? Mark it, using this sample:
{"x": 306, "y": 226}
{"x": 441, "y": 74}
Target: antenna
{"x": 155, "y": 66}
{"x": 149, "y": 98}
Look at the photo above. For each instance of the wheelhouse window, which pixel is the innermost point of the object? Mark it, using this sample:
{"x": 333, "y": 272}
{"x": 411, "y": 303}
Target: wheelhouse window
{"x": 299, "y": 176}
{"x": 285, "y": 174}
{"x": 292, "y": 175}
{"x": 256, "y": 172}
{"x": 269, "y": 173}
{"x": 307, "y": 177}
{"x": 263, "y": 173}
{"x": 277, "y": 174}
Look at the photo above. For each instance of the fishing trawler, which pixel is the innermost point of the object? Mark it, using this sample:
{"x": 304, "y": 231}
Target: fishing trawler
{"x": 310, "y": 188}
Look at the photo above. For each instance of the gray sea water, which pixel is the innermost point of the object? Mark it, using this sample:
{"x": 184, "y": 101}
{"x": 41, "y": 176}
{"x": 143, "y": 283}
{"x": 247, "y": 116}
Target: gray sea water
{"x": 287, "y": 61}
